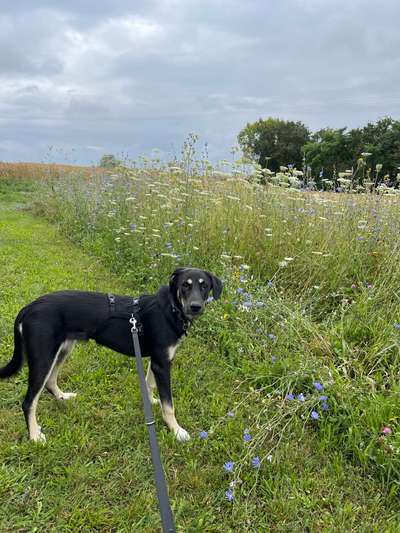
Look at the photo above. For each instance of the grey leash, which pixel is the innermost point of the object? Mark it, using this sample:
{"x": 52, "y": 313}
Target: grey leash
{"x": 167, "y": 519}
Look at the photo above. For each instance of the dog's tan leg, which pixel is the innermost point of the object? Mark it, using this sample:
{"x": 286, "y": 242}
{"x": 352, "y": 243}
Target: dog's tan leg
{"x": 35, "y": 431}
{"x": 151, "y": 385}
{"x": 51, "y": 383}
{"x": 162, "y": 375}
{"x": 168, "y": 414}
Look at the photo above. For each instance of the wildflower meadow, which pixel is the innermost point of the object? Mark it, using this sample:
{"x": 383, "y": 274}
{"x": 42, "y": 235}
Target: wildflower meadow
{"x": 293, "y": 406}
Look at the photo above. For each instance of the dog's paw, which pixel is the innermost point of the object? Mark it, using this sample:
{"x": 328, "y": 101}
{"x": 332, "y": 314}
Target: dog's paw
{"x": 182, "y": 435}
{"x": 155, "y": 401}
{"x": 67, "y": 395}
{"x": 152, "y": 399}
{"x": 39, "y": 437}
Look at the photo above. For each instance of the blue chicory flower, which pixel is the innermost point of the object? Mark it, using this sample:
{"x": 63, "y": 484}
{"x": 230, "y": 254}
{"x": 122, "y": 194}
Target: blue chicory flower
{"x": 314, "y": 415}
{"x": 246, "y": 435}
{"x": 229, "y": 495}
{"x": 324, "y": 406}
{"x": 229, "y": 466}
{"x": 256, "y": 462}
{"x": 203, "y": 434}
{"x": 323, "y": 398}
{"x": 318, "y": 386}
{"x": 301, "y": 397}
{"x": 397, "y": 326}
{"x": 289, "y": 396}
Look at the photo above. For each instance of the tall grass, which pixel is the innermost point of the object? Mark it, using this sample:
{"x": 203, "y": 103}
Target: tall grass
{"x": 318, "y": 243}
{"x": 311, "y": 291}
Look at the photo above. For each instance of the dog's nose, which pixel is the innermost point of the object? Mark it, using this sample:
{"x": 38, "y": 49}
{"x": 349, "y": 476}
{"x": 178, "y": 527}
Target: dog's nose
{"x": 195, "y": 308}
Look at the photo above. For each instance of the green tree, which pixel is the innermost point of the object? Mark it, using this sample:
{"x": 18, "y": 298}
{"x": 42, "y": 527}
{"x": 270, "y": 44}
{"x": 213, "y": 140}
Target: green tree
{"x": 329, "y": 151}
{"x": 337, "y": 150}
{"x": 274, "y": 142}
{"x": 109, "y": 161}
{"x": 382, "y": 141}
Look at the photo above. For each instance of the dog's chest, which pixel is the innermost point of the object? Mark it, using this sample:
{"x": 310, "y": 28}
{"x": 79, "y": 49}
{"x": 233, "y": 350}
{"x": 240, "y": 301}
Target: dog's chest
{"x": 172, "y": 349}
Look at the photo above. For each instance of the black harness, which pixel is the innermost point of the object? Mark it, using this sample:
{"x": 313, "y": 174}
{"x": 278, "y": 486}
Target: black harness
{"x": 117, "y": 311}
{"x": 179, "y": 322}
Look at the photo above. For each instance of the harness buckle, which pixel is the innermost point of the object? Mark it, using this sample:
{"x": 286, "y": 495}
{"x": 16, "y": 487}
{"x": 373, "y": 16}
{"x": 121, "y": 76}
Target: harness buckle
{"x": 133, "y": 321}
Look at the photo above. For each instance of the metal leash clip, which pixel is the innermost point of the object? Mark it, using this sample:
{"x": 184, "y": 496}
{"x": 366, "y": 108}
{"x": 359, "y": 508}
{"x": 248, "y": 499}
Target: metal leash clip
{"x": 133, "y": 321}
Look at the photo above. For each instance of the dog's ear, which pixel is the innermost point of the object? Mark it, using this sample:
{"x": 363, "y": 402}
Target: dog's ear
{"x": 174, "y": 278}
{"x": 216, "y": 284}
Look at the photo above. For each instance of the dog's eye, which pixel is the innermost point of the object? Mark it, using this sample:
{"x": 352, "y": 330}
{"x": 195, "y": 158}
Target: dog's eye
{"x": 185, "y": 285}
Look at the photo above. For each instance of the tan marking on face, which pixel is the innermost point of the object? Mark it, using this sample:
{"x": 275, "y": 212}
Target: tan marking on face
{"x": 178, "y": 294}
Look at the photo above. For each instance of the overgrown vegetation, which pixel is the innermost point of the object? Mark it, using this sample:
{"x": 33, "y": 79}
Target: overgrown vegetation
{"x": 299, "y": 429}
{"x": 329, "y": 158}
{"x": 311, "y": 276}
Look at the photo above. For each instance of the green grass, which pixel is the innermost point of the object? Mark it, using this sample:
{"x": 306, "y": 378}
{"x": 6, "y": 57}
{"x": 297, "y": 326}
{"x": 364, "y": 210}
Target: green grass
{"x": 13, "y": 190}
{"x": 95, "y": 473}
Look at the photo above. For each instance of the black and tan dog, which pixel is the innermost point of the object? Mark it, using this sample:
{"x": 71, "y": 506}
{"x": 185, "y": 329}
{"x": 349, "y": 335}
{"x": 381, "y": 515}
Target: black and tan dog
{"x": 46, "y": 330}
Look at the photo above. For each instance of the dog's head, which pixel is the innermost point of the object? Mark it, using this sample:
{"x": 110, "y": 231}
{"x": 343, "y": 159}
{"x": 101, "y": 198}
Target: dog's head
{"x": 190, "y": 288}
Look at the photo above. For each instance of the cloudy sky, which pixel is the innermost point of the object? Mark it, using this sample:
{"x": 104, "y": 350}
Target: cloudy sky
{"x": 91, "y": 77}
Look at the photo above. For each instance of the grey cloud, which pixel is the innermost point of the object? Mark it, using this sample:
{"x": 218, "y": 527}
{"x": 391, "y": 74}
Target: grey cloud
{"x": 126, "y": 76}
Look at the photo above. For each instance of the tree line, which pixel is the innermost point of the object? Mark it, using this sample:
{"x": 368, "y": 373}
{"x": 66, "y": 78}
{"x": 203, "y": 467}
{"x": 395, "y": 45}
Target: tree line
{"x": 371, "y": 152}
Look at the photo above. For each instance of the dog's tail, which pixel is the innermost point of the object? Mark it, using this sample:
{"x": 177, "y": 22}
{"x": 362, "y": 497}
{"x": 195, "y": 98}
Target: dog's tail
{"x": 18, "y": 358}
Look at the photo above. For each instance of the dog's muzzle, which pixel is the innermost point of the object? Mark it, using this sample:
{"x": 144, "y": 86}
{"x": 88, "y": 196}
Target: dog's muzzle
{"x": 196, "y": 308}
{"x": 193, "y": 309}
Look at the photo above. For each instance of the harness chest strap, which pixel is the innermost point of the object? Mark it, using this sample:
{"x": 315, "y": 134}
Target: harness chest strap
{"x": 181, "y": 324}
{"x": 113, "y": 313}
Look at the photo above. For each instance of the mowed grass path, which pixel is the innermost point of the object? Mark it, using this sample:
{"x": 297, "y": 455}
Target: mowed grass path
{"x": 95, "y": 473}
